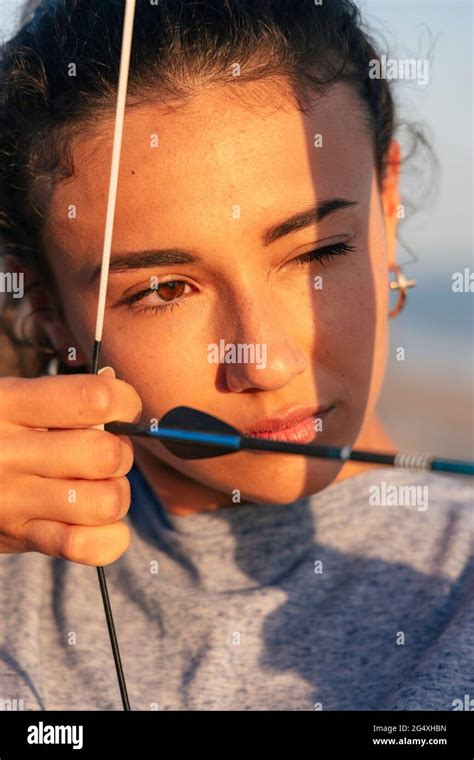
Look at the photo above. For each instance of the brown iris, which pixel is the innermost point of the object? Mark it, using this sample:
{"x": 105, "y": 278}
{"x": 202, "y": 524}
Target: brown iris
{"x": 169, "y": 290}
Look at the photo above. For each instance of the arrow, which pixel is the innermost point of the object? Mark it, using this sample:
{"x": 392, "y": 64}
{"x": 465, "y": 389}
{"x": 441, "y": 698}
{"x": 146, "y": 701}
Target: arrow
{"x": 191, "y": 434}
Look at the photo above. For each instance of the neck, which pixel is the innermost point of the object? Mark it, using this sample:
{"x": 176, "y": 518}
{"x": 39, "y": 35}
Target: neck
{"x": 180, "y": 494}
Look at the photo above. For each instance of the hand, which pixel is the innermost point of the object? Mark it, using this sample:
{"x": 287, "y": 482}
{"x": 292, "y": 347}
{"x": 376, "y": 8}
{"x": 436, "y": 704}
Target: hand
{"x": 63, "y": 489}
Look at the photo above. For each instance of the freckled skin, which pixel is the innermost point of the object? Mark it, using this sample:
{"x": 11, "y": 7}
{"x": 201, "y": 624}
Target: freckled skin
{"x": 323, "y": 346}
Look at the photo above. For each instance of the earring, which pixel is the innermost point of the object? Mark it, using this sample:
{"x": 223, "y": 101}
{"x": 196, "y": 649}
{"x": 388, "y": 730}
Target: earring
{"x": 401, "y": 284}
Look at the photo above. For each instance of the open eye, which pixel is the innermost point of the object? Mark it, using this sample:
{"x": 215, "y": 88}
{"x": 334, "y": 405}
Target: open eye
{"x": 168, "y": 294}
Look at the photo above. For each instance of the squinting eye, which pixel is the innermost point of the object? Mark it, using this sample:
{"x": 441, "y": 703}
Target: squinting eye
{"x": 168, "y": 294}
{"x": 320, "y": 254}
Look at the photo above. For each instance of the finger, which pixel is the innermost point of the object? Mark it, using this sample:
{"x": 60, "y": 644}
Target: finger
{"x": 83, "y": 544}
{"x": 90, "y": 454}
{"x": 67, "y": 401}
{"x": 78, "y": 502}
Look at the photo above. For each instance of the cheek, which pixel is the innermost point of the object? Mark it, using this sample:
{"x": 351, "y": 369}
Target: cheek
{"x": 349, "y": 330}
{"x": 164, "y": 358}
{"x": 345, "y": 316}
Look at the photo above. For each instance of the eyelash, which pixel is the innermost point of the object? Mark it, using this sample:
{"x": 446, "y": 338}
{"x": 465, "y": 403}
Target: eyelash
{"x": 327, "y": 253}
{"x": 319, "y": 254}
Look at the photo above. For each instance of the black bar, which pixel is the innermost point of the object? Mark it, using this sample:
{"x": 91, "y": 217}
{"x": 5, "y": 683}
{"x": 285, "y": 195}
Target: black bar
{"x": 325, "y": 734}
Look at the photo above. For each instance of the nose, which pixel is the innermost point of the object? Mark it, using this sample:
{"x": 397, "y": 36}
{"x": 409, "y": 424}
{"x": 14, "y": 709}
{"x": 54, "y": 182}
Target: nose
{"x": 262, "y": 353}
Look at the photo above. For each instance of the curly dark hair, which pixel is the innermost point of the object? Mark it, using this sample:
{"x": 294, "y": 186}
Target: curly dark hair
{"x": 178, "y": 46}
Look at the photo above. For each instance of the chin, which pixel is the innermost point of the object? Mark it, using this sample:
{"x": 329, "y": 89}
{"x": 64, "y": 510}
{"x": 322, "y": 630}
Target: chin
{"x": 287, "y": 484}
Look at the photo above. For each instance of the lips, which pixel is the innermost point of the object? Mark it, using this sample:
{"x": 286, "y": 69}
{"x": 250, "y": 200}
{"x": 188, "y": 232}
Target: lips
{"x": 297, "y": 425}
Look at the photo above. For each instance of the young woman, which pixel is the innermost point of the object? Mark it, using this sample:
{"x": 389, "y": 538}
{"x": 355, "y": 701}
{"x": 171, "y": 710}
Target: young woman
{"x": 257, "y": 207}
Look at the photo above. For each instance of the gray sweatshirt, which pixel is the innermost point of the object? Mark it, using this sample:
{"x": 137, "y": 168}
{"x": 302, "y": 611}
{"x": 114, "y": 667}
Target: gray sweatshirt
{"x": 360, "y": 597}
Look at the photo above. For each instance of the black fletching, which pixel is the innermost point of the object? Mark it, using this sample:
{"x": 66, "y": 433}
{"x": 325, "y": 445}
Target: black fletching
{"x": 186, "y": 418}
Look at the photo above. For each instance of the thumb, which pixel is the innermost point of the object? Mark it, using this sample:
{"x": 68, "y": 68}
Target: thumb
{"x": 106, "y": 372}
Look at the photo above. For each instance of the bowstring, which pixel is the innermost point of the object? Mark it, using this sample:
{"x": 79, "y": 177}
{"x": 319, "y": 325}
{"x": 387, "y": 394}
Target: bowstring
{"x": 125, "y": 54}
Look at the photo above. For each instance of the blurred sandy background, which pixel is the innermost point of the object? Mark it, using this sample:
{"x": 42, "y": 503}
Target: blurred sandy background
{"x": 427, "y": 399}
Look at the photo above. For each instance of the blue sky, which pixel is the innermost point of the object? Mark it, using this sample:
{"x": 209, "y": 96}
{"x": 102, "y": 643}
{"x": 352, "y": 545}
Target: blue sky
{"x": 441, "y": 233}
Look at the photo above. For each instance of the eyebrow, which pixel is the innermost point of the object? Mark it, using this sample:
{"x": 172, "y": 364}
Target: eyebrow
{"x": 129, "y": 260}
{"x": 305, "y": 218}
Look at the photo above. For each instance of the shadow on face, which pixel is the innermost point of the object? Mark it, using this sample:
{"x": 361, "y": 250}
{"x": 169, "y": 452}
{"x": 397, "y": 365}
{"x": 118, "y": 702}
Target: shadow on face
{"x": 240, "y": 222}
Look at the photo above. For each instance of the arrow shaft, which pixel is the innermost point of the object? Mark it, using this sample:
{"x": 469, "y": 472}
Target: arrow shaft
{"x": 238, "y": 443}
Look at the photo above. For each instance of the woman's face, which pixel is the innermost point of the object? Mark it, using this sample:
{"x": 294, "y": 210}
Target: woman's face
{"x": 213, "y": 179}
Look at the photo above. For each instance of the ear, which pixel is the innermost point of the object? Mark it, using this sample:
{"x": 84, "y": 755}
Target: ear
{"x": 59, "y": 336}
{"x": 41, "y": 301}
{"x": 391, "y": 199}
{"x": 51, "y": 323}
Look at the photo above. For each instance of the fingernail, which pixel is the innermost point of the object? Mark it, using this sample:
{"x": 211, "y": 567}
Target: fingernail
{"x": 107, "y": 371}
